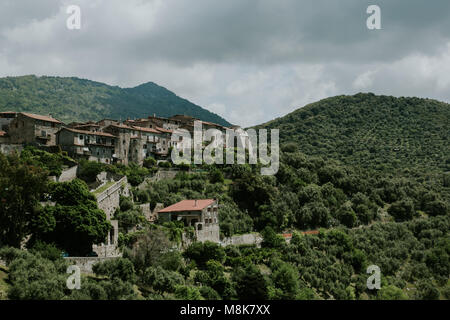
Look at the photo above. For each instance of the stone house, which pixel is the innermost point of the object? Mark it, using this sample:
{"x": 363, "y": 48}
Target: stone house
{"x": 94, "y": 146}
{"x": 6, "y": 118}
{"x": 134, "y": 143}
{"x": 28, "y": 128}
{"x": 201, "y": 214}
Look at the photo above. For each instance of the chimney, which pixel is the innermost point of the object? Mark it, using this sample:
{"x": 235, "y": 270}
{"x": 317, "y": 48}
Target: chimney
{"x": 195, "y": 203}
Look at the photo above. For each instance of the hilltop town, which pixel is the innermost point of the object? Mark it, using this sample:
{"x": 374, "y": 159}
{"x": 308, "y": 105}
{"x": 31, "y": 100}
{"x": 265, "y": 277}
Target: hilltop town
{"x": 106, "y": 141}
{"x": 114, "y": 142}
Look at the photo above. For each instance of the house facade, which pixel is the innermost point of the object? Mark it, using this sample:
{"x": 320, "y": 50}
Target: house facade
{"x": 94, "y": 146}
{"x": 28, "y": 128}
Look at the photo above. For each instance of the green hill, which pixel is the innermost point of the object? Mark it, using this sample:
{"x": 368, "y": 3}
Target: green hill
{"x": 378, "y": 132}
{"x": 73, "y": 99}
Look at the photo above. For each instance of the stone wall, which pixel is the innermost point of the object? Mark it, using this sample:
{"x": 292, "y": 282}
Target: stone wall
{"x": 86, "y": 263}
{"x": 68, "y": 174}
{"x": 108, "y": 200}
{"x": 106, "y": 250}
{"x": 208, "y": 233}
{"x": 9, "y": 148}
{"x": 165, "y": 174}
{"x": 244, "y": 239}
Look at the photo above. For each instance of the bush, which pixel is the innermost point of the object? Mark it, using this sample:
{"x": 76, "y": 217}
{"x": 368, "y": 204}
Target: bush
{"x": 250, "y": 284}
{"x": 209, "y": 293}
{"x": 402, "y": 210}
{"x": 162, "y": 280}
{"x": 202, "y": 252}
{"x": 120, "y": 268}
{"x": 149, "y": 162}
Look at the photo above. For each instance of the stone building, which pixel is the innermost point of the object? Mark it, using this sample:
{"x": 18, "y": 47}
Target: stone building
{"x": 6, "y": 118}
{"x": 202, "y": 214}
{"x": 94, "y": 146}
{"x": 28, "y": 128}
{"x": 134, "y": 143}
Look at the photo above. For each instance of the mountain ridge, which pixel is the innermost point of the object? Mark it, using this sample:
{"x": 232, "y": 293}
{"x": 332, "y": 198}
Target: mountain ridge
{"x": 75, "y": 99}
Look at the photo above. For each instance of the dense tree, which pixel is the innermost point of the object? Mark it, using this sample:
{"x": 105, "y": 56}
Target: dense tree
{"x": 202, "y": 252}
{"x": 285, "y": 278}
{"x": 148, "y": 249}
{"x": 402, "y": 210}
{"x": 21, "y": 188}
{"x": 75, "y": 215}
{"x": 250, "y": 284}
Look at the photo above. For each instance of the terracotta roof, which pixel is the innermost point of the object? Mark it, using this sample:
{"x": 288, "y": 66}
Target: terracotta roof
{"x": 8, "y": 112}
{"x": 213, "y": 124}
{"x": 311, "y": 232}
{"x": 164, "y": 130}
{"x": 39, "y": 117}
{"x": 188, "y": 205}
{"x": 145, "y": 129}
{"x": 87, "y": 125}
{"x": 104, "y": 134}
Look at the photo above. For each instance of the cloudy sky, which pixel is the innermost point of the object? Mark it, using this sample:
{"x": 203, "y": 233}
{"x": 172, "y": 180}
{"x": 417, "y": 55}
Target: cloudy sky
{"x": 246, "y": 60}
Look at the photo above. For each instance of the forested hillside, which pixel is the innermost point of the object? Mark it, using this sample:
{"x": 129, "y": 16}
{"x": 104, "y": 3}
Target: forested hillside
{"x": 372, "y": 131}
{"x": 73, "y": 99}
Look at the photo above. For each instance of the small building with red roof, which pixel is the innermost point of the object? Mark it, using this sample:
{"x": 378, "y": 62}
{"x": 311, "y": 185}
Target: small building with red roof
{"x": 202, "y": 214}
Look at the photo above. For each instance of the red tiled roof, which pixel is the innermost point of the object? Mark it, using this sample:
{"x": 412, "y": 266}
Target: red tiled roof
{"x": 145, "y": 129}
{"x": 213, "y": 124}
{"x": 122, "y": 126}
{"x": 164, "y": 130}
{"x": 87, "y": 125}
{"x": 188, "y": 205}
{"x": 39, "y": 117}
{"x": 8, "y": 112}
{"x": 104, "y": 134}
{"x": 311, "y": 232}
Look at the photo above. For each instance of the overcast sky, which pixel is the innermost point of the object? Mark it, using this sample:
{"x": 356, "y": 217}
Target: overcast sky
{"x": 246, "y": 60}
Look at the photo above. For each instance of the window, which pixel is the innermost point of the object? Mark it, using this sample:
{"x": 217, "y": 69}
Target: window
{"x": 81, "y": 137}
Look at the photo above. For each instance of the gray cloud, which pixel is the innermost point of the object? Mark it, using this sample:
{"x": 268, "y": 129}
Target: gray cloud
{"x": 248, "y": 60}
